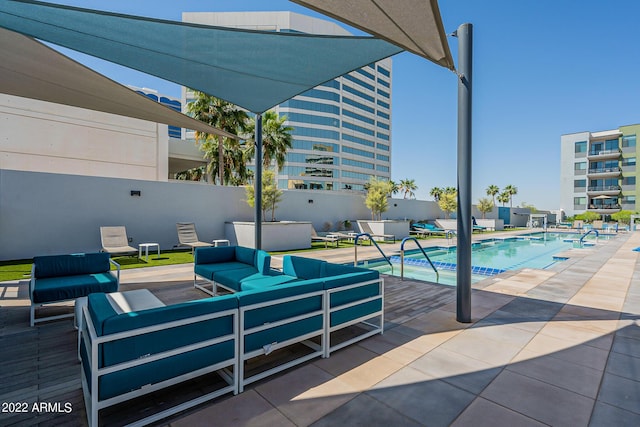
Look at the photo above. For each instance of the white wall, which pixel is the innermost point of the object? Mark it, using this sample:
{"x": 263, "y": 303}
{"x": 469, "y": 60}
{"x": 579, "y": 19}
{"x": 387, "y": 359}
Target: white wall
{"x": 567, "y": 171}
{"x": 45, "y": 213}
{"x": 45, "y": 137}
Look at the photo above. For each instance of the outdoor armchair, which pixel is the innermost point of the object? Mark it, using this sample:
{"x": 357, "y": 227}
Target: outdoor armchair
{"x": 115, "y": 241}
{"x": 187, "y": 236}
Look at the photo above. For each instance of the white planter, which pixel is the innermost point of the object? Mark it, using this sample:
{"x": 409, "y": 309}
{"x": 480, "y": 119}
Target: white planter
{"x": 276, "y": 236}
{"x": 398, "y": 228}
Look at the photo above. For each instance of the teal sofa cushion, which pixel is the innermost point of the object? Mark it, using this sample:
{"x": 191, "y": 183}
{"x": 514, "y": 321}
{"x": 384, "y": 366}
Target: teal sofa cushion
{"x": 345, "y": 315}
{"x": 71, "y": 287}
{"x": 232, "y": 278}
{"x": 261, "y": 282}
{"x": 263, "y": 262}
{"x": 245, "y": 255}
{"x": 208, "y": 271}
{"x": 69, "y": 265}
{"x": 303, "y": 268}
{"x": 281, "y": 311}
{"x": 210, "y": 255}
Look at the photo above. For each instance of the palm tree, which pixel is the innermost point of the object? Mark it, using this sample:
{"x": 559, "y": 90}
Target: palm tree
{"x": 436, "y": 192}
{"x": 511, "y": 191}
{"x": 222, "y": 115}
{"x": 504, "y": 198}
{"x": 408, "y": 186}
{"x": 450, "y": 190}
{"x": 485, "y": 205}
{"x": 276, "y": 139}
{"x": 394, "y": 188}
{"x": 492, "y": 190}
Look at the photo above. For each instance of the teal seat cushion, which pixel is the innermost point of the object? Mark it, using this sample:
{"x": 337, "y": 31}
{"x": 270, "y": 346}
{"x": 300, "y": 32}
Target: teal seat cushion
{"x": 231, "y": 278}
{"x": 209, "y": 270}
{"x": 69, "y": 265}
{"x": 254, "y": 283}
{"x": 345, "y": 315}
{"x": 303, "y": 268}
{"x": 72, "y": 287}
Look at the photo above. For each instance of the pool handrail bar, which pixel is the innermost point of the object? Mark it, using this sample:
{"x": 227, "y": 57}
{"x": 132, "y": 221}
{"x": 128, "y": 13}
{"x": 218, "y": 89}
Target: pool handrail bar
{"x": 355, "y": 250}
{"x": 593, "y": 230}
{"x": 423, "y": 253}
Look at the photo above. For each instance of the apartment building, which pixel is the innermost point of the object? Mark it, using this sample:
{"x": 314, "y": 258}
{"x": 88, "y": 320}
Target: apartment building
{"x": 599, "y": 172}
{"x": 342, "y": 128}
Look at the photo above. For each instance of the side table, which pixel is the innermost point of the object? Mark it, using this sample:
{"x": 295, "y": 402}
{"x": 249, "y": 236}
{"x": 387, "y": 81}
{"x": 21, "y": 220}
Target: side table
{"x": 146, "y": 246}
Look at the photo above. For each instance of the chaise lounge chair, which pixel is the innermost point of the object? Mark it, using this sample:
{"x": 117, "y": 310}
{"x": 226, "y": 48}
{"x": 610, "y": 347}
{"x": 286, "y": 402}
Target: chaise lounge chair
{"x": 115, "y": 241}
{"x": 330, "y": 238}
{"x": 477, "y": 227}
{"x": 424, "y": 229}
{"x": 187, "y": 236}
{"x": 364, "y": 227}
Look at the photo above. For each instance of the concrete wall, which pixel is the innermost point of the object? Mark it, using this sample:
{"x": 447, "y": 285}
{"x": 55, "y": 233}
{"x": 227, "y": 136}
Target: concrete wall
{"x": 45, "y": 213}
{"x": 45, "y": 137}
{"x": 568, "y": 174}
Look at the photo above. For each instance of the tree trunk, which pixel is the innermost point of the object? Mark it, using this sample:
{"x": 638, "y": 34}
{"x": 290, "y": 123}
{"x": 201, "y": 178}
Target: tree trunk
{"x": 221, "y": 159}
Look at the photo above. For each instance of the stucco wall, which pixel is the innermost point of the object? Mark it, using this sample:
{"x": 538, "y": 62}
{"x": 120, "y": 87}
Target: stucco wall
{"x": 45, "y": 137}
{"x": 45, "y": 213}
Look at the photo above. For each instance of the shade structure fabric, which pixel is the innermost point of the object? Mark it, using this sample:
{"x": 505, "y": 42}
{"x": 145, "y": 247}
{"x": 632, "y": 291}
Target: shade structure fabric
{"x": 414, "y": 25}
{"x": 253, "y": 69}
{"x": 32, "y": 70}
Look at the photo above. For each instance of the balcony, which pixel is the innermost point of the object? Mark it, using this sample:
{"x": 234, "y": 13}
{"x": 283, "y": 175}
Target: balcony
{"x": 604, "y": 154}
{"x": 604, "y": 209}
{"x": 605, "y": 172}
{"x": 606, "y": 190}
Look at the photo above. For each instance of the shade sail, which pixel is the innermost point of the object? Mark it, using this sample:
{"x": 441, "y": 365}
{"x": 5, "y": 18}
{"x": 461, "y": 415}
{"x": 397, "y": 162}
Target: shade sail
{"x": 415, "y": 25}
{"x": 253, "y": 69}
{"x": 33, "y": 70}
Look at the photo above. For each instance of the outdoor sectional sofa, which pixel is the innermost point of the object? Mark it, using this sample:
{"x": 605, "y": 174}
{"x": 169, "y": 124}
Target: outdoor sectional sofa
{"x": 130, "y": 354}
{"x": 59, "y": 278}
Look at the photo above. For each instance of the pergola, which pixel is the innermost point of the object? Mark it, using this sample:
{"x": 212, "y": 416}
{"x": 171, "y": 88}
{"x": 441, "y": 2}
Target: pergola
{"x": 256, "y": 70}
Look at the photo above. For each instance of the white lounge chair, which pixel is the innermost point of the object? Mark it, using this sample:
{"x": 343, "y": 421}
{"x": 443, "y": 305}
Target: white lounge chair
{"x": 115, "y": 241}
{"x": 364, "y": 227}
{"x": 330, "y": 238}
{"x": 187, "y": 236}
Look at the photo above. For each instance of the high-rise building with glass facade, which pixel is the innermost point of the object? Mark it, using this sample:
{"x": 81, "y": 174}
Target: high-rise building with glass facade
{"x": 342, "y": 128}
{"x": 599, "y": 171}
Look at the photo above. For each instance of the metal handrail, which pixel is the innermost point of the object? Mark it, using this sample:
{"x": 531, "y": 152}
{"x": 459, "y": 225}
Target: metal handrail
{"x": 423, "y": 253}
{"x": 355, "y": 249}
{"x": 593, "y": 230}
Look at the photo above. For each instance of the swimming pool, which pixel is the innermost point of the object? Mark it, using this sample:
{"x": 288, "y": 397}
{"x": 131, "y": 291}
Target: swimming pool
{"x": 488, "y": 257}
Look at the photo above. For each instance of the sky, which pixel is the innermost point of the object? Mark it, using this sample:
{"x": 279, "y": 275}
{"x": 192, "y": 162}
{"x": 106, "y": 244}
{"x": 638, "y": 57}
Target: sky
{"x": 541, "y": 69}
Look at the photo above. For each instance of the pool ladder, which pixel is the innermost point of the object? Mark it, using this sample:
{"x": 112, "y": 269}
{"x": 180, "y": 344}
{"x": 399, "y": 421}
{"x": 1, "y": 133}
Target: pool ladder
{"x": 355, "y": 249}
{"x": 593, "y": 230}
{"x": 423, "y": 253}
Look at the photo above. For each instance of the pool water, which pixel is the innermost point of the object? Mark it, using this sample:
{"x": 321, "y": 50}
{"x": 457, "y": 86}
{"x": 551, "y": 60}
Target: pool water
{"x": 488, "y": 257}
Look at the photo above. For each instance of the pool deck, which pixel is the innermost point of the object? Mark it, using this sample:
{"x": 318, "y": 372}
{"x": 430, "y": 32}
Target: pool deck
{"x": 546, "y": 347}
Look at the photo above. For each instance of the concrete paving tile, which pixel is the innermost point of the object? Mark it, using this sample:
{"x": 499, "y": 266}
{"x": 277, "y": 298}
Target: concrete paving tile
{"x": 306, "y": 394}
{"x": 483, "y": 413}
{"x": 531, "y": 308}
{"x": 368, "y": 373}
{"x": 578, "y": 335}
{"x": 541, "y": 401}
{"x": 509, "y": 334}
{"x": 245, "y": 409}
{"x": 482, "y": 348}
{"x": 462, "y": 371}
{"x": 621, "y": 392}
{"x": 345, "y": 360}
{"x": 392, "y": 346}
{"x": 414, "y": 394}
{"x": 629, "y": 329}
{"x": 567, "y": 375}
{"x": 624, "y": 365}
{"x": 364, "y": 411}
{"x": 624, "y": 345}
{"x": 606, "y": 415}
{"x": 518, "y": 321}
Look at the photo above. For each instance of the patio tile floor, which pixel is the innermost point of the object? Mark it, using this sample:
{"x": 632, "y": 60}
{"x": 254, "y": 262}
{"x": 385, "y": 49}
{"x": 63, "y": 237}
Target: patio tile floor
{"x": 554, "y": 347}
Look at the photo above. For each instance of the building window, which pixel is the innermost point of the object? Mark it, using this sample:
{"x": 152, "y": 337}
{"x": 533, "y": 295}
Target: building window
{"x": 382, "y": 147}
{"x": 357, "y": 140}
{"x": 629, "y": 200}
{"x": 358, "y": 128}
{"x": 358, "y": 116}
{"x": 357, "y": 152}
{"x": 629, "y": 161}
{"x": 357, "y": 163}
{"x": 580, "y": 166}
{"x": 580, "y": 183}
{"x": 384, "y": 71}
{"x": 382, "y": 168}
{"x": 628, "y": 141}
{"x": 577, "y": 201}
{"x": 382, "y": 157}
{"x": 357, "y": 104}
{"x": 581, "y": 147}
{"x": 629, "y": 180}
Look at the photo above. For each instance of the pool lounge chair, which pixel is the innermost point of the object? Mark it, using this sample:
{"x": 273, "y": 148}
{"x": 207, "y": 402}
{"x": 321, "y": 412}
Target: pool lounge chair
{"x": 188, "y": 237}
{"x": 115, "y": 241}
{"x": 330, "y": 238}
{"x": 364, "y": 227}
{"x": 477, "y": 227}
{"x": 424, "y": 229}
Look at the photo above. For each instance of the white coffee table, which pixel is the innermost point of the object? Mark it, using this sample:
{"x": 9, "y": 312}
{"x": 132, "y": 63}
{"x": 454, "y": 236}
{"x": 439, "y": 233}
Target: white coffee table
{"x": 146, "y": 247}
{"x": 219, "y": 242}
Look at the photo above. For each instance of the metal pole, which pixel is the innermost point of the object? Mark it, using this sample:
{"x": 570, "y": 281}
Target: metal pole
{"x": 465, "y": 68}
{"x": 258, "y": 182}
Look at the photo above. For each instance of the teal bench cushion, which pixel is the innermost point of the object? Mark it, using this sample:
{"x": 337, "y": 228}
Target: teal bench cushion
{"x": 232, "y": 278}
{"x": 72, "y": 287}
{"x": 281, "y": 311}
{"x": 69, "y": 265}
{"x": 303, "y": 268}
{"x": 208, "y": 271}
{"x": 260, "y": 281}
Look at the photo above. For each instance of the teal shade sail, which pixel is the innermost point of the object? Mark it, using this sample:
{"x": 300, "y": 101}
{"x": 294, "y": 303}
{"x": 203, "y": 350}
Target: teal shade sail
{"x": 253, "y": 69}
